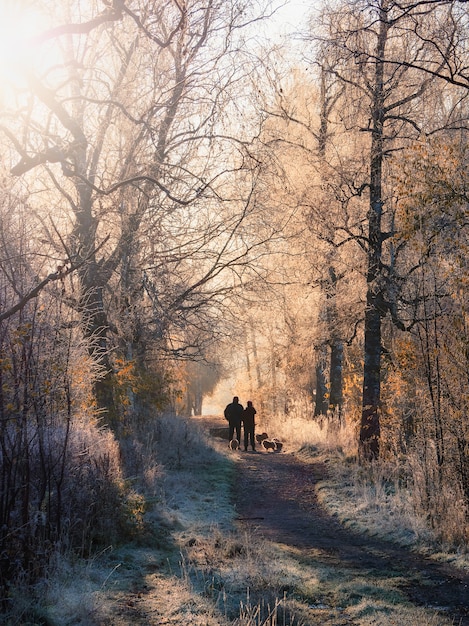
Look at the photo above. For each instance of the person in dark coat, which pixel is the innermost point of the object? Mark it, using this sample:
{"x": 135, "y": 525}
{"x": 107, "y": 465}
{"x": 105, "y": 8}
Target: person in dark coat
{"x": 234, "y": 414}
{"x": 249, "y": 426}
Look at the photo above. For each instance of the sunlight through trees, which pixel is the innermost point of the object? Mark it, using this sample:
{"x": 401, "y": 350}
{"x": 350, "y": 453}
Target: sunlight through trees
{"x": 185, "y": 203}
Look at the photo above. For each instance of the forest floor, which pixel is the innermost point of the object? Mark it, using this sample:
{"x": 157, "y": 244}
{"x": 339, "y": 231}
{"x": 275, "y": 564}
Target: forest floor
{"x": 283, "y": 560}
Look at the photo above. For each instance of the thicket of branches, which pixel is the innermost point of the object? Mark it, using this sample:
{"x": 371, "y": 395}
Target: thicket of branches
{"x": 128, "y": 207}
{"x": 178, "y": 205}
{"x": 371, "y": 133}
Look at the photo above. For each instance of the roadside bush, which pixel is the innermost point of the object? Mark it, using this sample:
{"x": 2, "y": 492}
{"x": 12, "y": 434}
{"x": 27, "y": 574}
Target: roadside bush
{"x": 75, "y": 498}
{"x": 94, "y": 494}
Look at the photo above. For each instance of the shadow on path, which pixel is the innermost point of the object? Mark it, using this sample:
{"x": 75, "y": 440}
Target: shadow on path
{"x": 276, "y": 498}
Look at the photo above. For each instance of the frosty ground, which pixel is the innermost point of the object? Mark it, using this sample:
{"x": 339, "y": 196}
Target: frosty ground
{"x": 296, "y": 538}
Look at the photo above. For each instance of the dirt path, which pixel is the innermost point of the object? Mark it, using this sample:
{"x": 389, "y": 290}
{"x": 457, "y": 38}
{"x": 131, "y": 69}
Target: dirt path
{"x": 276, "y": 499}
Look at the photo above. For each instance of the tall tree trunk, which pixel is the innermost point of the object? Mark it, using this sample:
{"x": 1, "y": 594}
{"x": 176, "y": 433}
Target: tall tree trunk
{"x": 248, "y": 363}
{"x": 370, "y": 421}
{"x": 336, "y": 377}
{"x": 92, "y": 308}
{"x": 95, "y": 324}
{"x": 337, "y": 349}
{"x": 329, "y": 93}
{"x": 84, "y": 243}
{"x": 321, "y": 403}
{"x": 252, "y": 330}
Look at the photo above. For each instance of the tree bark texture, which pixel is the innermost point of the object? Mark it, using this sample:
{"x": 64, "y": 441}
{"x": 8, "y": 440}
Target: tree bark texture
{"x": 321, "y": 403}
{"x": 369, "y": 439}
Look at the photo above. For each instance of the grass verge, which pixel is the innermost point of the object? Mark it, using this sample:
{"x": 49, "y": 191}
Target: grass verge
{"x": 189, "y": 565}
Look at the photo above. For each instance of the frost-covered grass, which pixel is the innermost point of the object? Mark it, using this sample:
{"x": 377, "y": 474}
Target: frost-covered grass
{"x": 375, "y": 503}
{"x": 373, "y": 499}
{"x": 191, "y": 565}
{"x": 298, "y": 432}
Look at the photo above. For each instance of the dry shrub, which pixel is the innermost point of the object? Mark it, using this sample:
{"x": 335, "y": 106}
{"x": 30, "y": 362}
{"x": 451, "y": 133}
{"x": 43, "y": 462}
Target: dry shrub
{"x": 438, "y": 498}
{"x": 85, "y": 494}
{"x": 76, "y": 495}
{"x": 168, "y": 440}
{"x": 266, "y": 612}
{"x": 97, "y": 504}
{"x": 298, "y": 432}
{"x": 77, "y": 502}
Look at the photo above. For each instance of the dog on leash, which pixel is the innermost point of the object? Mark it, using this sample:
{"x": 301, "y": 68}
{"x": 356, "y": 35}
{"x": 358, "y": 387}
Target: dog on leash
{"x": 234, "y": 444}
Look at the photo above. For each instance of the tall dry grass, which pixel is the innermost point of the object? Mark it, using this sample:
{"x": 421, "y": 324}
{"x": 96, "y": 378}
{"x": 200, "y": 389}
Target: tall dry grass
{"x": 393, "y": 497}
{"x": 297, "y": 432}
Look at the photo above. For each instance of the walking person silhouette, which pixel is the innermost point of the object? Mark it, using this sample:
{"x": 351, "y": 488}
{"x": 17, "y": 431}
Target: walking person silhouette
{"x": 234, "y": 414}
{"x": 249, "y": 426}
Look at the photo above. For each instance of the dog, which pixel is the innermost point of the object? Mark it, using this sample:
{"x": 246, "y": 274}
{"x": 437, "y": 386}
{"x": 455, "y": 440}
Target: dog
{"x": 234, "y": 444}
{"x": 278, "y": 445}
{"x": 268, "y": 445}
{"x": 260, "y": 438}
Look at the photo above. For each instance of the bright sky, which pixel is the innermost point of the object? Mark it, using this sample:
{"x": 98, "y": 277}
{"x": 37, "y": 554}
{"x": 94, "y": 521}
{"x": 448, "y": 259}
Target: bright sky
{"x": 20, "y": 20}
{"x": 292, "y": 16}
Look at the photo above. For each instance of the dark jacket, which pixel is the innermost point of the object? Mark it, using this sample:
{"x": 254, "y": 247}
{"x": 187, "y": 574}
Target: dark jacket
{"x": 234, "y": 412}
{"x": 248, "y": 416}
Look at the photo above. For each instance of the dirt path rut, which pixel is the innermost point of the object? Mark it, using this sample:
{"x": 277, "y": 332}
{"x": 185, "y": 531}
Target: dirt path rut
{"x": 276, "y": 498}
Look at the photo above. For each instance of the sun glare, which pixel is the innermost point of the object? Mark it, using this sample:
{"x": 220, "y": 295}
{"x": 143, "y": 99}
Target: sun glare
{"x": 20, "y": 22}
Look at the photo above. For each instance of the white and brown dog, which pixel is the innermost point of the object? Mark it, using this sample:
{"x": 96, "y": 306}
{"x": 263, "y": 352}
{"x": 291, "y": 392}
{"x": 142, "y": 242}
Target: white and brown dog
{"x": 234, "y": 444}
{"x": 278, "y": 445}
{"x": 268, "y": 445}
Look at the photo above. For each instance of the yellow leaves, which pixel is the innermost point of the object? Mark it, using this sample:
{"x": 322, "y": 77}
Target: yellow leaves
{"x": 5, "y": 365}
{"x": 405, "y": 354}
{"x": 23, "y": 330}
{"x": 429, "y": 181}
{"x": 126, "y": 375}
{"x": 125, "y": 370}
{"x": 22, "y": 334}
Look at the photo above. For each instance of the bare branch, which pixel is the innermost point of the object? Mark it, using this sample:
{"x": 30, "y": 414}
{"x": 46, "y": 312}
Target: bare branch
{"x": 60, "y": 274}
{"x": 111, "y": 14}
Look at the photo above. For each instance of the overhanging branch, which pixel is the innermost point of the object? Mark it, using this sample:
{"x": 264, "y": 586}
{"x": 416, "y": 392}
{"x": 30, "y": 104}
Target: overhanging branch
{"x": 60, "y": 274}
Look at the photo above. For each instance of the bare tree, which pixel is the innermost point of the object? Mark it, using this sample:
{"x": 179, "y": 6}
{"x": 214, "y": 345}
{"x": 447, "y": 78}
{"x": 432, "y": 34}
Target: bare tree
{"x": 302, "y": 122}
{"x": 130, "y": 132}
{"x": 386, "y": 99}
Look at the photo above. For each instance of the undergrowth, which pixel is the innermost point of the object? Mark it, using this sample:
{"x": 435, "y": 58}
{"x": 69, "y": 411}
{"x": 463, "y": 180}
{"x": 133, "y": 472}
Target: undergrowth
{"x": 186, "y": 562}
